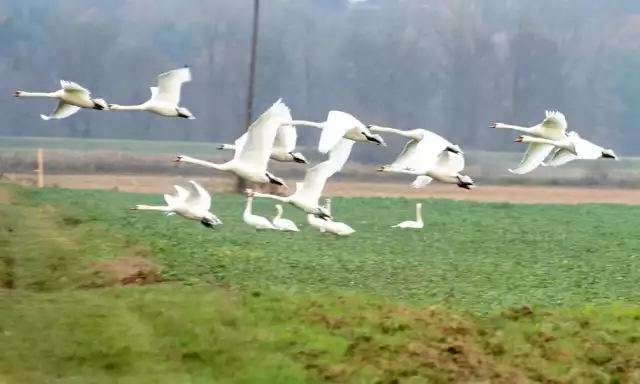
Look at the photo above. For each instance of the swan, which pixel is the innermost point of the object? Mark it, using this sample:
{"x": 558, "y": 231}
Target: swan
{"x": 412, "y": 224}
{"x": 432, "y": 157}
{"x": 417, "y": 136}
{"x": 283, "y": 146}
{"x": 71, "y": 98}
{"x": 570, "y": 148}
{"x": 283, "y": 224}
{"x": 335, "y": 227}
{"x": 193, "y": 204}
{"x": 308, "y": 191}
{"x": 317, "y": 222}
{"x": 250, "y": 160}
{"x": 340, "y": 125}
{"x": 255, "y": 221}
{"x": 165, "y": 98}
{"x": 553, "y": 127}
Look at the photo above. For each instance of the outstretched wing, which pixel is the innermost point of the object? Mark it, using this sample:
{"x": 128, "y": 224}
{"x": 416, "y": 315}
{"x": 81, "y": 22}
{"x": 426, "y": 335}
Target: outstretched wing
{"x": 421, "y": 181}
{"x": 408, "y": 152}
{"x": 199, "y": 197}
{"x": 286, "y": 138}
{"x": 555, "y": 121}
{"x": 154, "y": 92}
{"x": 62, "y": 110}
{"x": 535, "y": 155}
{"x": 450, "y": 162}
{"x": 70, "y": 86}
{"x": 559, "y": 157}
{"x": 427, "y": 152}
{"x": 338, "y": 123}
{"x": 181, "y": 195}
{"x": 170, "y": 84}
{"x": 261, "y": 135}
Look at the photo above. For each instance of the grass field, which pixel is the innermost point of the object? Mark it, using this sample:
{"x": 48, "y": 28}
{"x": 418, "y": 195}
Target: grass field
{"x": 497, "y": 292}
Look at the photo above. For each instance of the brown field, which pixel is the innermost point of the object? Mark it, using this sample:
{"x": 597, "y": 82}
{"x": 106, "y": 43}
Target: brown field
{"x": 514, "y": 194}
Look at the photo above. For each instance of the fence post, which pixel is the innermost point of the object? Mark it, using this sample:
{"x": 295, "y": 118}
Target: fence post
{"x": 40, "y": 168}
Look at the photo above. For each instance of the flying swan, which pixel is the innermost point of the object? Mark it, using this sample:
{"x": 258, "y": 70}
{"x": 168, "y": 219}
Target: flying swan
{"x": 250, "y": 159}
{"x": 165, "y": 98}
{"x": 193, "y": 203}
{"x": 71, "y": 98}
{"x": 570, "y": 148}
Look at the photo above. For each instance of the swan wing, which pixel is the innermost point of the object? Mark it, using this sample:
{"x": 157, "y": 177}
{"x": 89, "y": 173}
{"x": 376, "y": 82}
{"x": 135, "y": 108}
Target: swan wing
{"x": 70, "y": 86}
{"x": 533, "y": 157}
{"x": 169, "y": 85}
{"x": 560, "y": 157}
{"x": 421, "y": 181}
{"x": 286, "y": 138}
{"x": 199, "y": 197}
{"x": 261, "y": 135}
{"x": 408, "y": 152}
{"x": 451, "y": 162}
{"x": 428, "y": 151}
{"x": 586, "y": 150}
{"x": 239, "y": 143}
{"x": 154, "y": 92}
{"x": 62, "y": 110}
{"x": 181, "y": 195}
{"x": 555, "y": 121}
{"x": 337, "y": 125}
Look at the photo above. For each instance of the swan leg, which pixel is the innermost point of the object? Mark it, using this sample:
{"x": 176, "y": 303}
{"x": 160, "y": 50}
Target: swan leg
{"x": 465, "y": 182}
{"x": 207, "y": 224}
{"x": 275, "y": 180}
{"x": 98, "y": 106}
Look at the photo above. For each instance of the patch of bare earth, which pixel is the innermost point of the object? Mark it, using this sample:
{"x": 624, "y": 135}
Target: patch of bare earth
{"x": 137, "y": 269}
{"x": 343, "y": 188}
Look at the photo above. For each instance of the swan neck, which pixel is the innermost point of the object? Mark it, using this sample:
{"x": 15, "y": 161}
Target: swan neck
{"x": 419, "y": 213}
{"x": 276, "y": 197}
{"x": 279, "y": 215}
{"x": 139, "y": 107}
{"x": 159, "y": 208}
{"x": 202, "y": 162}
{"x": 51, "y": 95}
{"x": 306, "y": 123}
{"x": 247, "y": 208}
{"x": 518, "y": 128}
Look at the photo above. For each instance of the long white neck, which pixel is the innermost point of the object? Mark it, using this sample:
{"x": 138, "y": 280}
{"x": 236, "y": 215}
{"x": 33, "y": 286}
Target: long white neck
{"x": 159, "y": 208}
{"x": 419, "y": 213}
{"x": 279, "y": 215}
{"x": 247, "y": 208}
{"x": 377, "y": 128}
{"x": 275, "y": 197}
{"x": 304, "y": 122}
{"x": 228, "y": 146}
{"x": 395, "y": 170}
{"x": 51, "y": 95}
{"x": 328, "y": 201}
{"x": 139, "y": 107}
{"x": 515, "y": 127}
{"x": 204, "y": 163}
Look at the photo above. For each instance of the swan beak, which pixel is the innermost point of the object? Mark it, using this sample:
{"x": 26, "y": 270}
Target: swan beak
{"x": 518, "y": 139}
{"x": 16, "y": 94}
{"x": 176, "y": 159}
{"x": 133, "y": 208}
{"x": 494, "y": 125}
{"x": 380, "y": 169}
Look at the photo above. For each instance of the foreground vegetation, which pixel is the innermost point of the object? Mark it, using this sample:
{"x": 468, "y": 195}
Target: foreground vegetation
{"x": 241, "y": 307}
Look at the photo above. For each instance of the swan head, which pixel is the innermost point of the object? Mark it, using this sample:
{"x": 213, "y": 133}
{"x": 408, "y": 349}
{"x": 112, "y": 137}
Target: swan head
{"x": 498, "y": 125}
{"x": 609, "y": 154}
{"x": 375, "y": 138}
{"x": 249, "y": 192}
{"x": 299, "y": 158}
{"x": 384, "y": 168}
{"x": 521, "y": 139}
{"x": 178, "y": 159}
{"x": 18, "y": 93}
{"x": 134, "y": 208}
{"x": 185, "y": 113}
{"x": 113, "y": 106}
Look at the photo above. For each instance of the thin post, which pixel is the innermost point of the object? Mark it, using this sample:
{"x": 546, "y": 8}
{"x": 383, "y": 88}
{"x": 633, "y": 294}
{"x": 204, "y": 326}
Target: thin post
{"x": 241, "y": 184}
{"x": 40, "y": 168}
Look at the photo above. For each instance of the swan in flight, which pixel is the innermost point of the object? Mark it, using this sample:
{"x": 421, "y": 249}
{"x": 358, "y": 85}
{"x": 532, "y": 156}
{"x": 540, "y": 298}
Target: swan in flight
{"x": 283, "y": 224}
{"x": 570, "y": 148}
{"x": 193, "y": 203}
{"x": 255, "y": 221}
{"x": 431, "y": 157}
{"x": 71, "y": 98}
{"x": 340, "y": 125}
{"x": 283, "y": 146}
{"x": 410, "y": 223}
{"x": 553, "y": 127}
{"x": 250, "y": 160}
{"x": 165, "y": 98}
{"x": 308, "y": 191}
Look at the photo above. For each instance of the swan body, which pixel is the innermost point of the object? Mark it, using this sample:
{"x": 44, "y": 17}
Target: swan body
{"x": 283, "y": 146}
{"x": 328, "y": 225}
{"x": 193, "y": 204}
{"x": 283, "y": 224}
{"x": 340, "y": 125}
{"x": 553, "y": 127}
{"x": 255, "y": 221}
{"x": 250, "y": 159}
{"x": 570, "y": 148}
{"x": 71, "y": 98}
{"x": 418, "y": 223}
{"x": 430, "y": 157}
{"x": 165, "y": 97}
{"x": 308, "y": 191}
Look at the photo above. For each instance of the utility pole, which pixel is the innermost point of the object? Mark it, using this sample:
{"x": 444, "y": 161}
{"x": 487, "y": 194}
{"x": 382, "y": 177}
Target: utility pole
{"x": 241, "y": 184}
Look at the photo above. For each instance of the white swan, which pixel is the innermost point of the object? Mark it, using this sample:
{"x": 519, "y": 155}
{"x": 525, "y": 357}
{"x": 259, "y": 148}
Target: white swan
{"x": 308, "y": 192}
{"x": 410, "y": 223}
{"x": 335, "y": 227}
{"x": 283, "y": 224}
{"x": 317, "y": 222}
{"x": 165, "y": 98}
{"x": 553, "y": 127}
{"x": 250, "y": 160}
{"x": 193, "y": 203}
{"x": 283, "y": 146}
{"x": 570, "y": 148}
{"x": 255, "y": 221}
{"x": 432, "y": 157}
{"x": 340, "y": 125}
{"x": 71, "y": 98}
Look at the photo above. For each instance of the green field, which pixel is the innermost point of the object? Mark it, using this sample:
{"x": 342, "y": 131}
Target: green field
{"x": 442, "y": 304}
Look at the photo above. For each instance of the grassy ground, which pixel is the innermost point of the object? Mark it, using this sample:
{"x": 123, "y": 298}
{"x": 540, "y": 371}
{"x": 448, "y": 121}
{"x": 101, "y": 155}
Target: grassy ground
{"x": 248, "y": 308}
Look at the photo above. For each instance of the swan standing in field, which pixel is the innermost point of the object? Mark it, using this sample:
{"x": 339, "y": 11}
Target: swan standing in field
{"x": 250, "y": 159}
{"x": 340, "y": 125}
{"x": 570, "y": 148}
{"x": 193, "y": 203}
{"x": 553, "y": 127}
{"x": 255, "y": 221}
{"x": 335, "y": 227}
{"x": 283, "y": 146}
{"x": 309, "y": 191}
{"x": 165, "y": 98}
{"x": 283, "y": 224}
{"x": 71, "y": 98}
{"x": 410, "y": 223}
{"x": 430, "y": 157}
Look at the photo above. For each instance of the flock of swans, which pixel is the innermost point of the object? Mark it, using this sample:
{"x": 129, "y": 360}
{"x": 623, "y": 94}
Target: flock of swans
{"x": 273, "y": 136}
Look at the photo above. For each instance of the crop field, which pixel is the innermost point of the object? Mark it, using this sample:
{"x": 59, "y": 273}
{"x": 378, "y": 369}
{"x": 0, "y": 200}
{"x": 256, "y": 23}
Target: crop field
{"x": 480, "y": 257}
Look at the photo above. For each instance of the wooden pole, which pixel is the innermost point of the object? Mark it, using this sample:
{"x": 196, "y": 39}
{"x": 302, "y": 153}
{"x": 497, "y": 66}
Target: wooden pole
{"x": 241, "y": 184}
{"x": 40, "y": 168}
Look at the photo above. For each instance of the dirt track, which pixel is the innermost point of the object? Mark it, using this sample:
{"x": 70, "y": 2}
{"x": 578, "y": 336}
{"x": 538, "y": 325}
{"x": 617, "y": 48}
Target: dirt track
{"x": 515, "y": 194}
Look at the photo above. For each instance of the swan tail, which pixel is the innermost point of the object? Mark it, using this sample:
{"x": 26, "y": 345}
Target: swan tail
{"x": 43, "y": 117}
